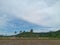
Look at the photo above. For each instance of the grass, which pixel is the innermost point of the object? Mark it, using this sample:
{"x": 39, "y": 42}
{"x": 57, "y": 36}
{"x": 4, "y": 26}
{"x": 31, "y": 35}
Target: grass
{"x": 40, "y": 38}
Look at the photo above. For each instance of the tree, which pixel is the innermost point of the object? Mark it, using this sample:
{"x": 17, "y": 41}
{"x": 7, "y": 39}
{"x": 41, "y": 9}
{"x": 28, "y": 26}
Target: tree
{"x": 31, "y": 33}
{"x": 31, "y": 30}
{"x": 23, "y": 31}
{"x": 20, "y": 31}
{"x": 15, "y": 32}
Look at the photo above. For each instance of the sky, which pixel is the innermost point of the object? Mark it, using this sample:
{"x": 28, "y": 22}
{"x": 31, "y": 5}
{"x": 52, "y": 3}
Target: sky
{"x": 20, "y": 15}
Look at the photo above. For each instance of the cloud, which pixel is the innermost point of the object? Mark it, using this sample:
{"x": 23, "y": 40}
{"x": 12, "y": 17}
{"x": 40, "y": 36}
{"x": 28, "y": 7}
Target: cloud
{"x": 3, "y": 20}
{"x": 39, "y": 12}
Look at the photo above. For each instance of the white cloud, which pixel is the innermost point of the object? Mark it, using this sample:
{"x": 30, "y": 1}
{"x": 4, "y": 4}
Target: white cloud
{"x": 3, "y": 20}
{"x": 48, "y": 16}
{"x": 40, "y": 12}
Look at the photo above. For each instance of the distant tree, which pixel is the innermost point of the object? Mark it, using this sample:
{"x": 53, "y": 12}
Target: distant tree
{"x": 23, "y": 31}
{"x": 20, "y": 31}
{"x": 15, "y": 32}
{"x": 31, "y": 30}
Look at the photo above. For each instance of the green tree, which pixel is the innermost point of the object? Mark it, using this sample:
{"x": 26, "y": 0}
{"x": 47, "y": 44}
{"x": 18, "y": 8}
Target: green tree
{"x": 31, "y": 30}
{"x": 15, "y": 32}
{"x": 20, "y": 31}
{"x": 23, "y": 31}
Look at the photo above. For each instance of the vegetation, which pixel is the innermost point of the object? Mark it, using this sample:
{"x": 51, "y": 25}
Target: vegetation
{"x": 32, "y": 34}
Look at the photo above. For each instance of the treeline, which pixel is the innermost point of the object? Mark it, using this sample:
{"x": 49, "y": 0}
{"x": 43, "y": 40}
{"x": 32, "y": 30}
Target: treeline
{"x": 55, "y": 34}
{"x": 32, "y": 34}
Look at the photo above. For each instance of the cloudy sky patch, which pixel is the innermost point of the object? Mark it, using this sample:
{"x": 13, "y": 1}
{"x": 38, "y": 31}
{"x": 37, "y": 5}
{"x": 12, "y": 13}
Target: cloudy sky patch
{"x": 44, "y": 13}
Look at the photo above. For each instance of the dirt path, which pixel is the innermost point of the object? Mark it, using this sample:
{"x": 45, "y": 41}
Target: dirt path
{"x": 29, "y": 42}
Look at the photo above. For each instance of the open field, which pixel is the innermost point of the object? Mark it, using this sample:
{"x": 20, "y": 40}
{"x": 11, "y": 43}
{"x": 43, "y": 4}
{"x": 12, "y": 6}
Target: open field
{"x": 29, "y": 42}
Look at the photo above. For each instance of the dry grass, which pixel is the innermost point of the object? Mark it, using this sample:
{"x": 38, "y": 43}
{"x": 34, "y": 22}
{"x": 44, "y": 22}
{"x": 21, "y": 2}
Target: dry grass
{"x": 29, "y": 42}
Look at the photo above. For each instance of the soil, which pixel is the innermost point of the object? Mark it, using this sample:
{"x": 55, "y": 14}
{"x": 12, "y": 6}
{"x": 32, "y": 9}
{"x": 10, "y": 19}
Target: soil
{"x": 29, "y": 42}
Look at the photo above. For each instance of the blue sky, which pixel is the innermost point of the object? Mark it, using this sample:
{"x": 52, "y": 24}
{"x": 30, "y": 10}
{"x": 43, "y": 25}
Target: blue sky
{"x": 40, "y": 15}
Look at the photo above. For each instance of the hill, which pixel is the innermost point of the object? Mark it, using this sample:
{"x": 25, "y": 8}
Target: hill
{"x": 55, "y": 34}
